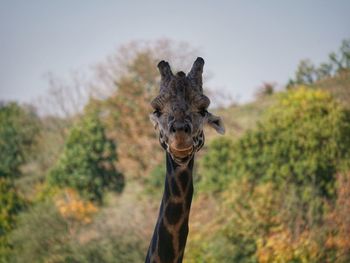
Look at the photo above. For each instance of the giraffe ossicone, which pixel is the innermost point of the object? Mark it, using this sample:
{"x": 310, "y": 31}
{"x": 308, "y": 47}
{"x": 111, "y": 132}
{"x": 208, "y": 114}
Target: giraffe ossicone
{"x": 180, "y": 114}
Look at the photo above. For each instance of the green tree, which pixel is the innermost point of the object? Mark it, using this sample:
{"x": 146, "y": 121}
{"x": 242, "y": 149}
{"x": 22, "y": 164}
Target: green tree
{"x": 18, "y": 129}
{"x": 341, "y": 59}
{"x": 324, "y": 71}
{"x": 306, "y": 72}
{"x": 87, "y": 161}
{"x": 216, "y": 165}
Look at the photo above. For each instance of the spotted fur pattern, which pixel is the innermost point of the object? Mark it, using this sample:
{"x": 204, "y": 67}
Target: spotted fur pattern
{"x": 170, "y": 234}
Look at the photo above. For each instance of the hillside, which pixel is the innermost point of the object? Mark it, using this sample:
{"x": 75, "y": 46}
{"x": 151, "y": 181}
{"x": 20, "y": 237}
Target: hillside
{"x": 240, "y": 118}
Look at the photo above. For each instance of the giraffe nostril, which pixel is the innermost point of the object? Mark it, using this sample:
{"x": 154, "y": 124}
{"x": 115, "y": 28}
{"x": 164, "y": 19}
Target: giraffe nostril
{"x": 187, "y": 128}
{"x": 180, "y": 126}
{"x": 172, "y": 129}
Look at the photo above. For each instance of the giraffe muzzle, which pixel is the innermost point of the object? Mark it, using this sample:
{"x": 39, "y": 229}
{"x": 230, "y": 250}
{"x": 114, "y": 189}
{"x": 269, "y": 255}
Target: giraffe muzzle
{"x": 181, "y": 153}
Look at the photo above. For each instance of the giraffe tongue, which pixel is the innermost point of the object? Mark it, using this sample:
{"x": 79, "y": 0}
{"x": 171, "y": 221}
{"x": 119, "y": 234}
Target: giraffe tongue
{"x": 181, "y": 153}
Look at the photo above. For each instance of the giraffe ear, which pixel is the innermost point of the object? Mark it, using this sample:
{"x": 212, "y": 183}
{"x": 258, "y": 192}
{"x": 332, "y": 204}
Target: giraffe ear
{"x": 216, "y": 123}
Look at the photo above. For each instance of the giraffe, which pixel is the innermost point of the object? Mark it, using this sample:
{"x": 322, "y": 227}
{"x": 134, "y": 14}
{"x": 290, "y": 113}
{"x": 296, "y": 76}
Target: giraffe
{"x": 180, "y": 113}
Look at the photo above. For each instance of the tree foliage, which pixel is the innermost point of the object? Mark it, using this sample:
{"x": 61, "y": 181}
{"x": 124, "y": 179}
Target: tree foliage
{"x": 337, "y": 225}
{"x": 279, "y": 179}
{"x": 128, "y": 114}
{"x": 41, "y": 235}
{"x": 87, "y": 162}
{"x": 216, "y": 165}
{"x": 73, "y": 208}
{"x": 11, "y": 205}
{"x": 132, "y": 78}
{"x": 18, "y": 129}
{"x": 302, "y": 141}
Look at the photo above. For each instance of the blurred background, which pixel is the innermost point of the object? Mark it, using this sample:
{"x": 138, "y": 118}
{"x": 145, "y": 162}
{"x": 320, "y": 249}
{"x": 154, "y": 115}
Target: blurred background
{"x": 77, "y": 183}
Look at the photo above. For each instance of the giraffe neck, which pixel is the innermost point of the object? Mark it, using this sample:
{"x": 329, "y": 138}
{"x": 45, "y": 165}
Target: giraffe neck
{"x": 170, "y": 233}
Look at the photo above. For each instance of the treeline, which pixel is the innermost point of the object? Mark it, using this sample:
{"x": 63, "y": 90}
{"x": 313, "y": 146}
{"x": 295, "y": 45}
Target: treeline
{"x": 307, "y": 73}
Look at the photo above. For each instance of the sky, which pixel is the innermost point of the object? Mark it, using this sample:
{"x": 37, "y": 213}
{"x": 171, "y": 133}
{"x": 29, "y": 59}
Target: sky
{"x": 244, "y": 43}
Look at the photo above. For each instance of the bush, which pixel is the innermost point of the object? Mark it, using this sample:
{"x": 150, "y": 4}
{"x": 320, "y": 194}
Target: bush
{"x": 41, "y": 235}
{"x": 108, "y": 250}
{"x": 10, "y": 205}
{"x": 250, "y": 215}
{"x": 303, "y": 141}
{"x": 87, "y": 162}
{"x": 259, "y": 226}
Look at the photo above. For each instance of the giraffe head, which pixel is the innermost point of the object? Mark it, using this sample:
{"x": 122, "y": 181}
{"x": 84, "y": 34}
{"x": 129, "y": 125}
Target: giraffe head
{"x": 180, "y": 112}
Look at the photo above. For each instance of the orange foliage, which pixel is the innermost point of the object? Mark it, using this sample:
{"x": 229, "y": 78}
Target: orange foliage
{"x": 282, "y": 247}
{"x": 72, "y": 207}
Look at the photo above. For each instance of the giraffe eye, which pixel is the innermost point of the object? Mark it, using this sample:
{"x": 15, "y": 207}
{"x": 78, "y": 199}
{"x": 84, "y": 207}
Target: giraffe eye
{"x": 203, "y": 112}
{"x": 157, "y": 113}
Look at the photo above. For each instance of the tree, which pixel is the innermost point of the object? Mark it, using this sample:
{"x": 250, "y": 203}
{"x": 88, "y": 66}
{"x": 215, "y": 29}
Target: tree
{"x": 324, "y": 71}
{"x": 87, "y": 161}
{"x": 19, "y": 127}
{"x": 266, "y": 89}
{"x": 129, "y": 80}
{"x": 341, "y": 60}
{"x": 306, "y": 72}
{"x": 128, "y": 111}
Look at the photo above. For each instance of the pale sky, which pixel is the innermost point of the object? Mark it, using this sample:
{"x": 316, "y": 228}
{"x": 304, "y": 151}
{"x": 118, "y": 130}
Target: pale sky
{"x": 244, "y": 43}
